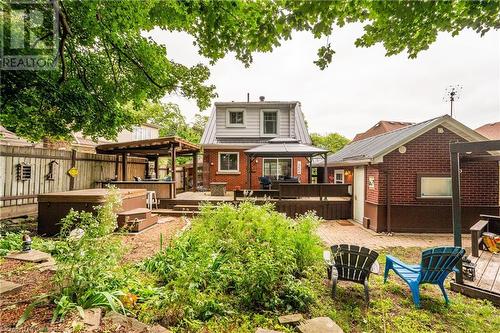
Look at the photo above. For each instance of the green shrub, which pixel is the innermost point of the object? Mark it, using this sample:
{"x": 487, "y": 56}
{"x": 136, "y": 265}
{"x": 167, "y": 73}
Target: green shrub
{"x": 241, "y": 258}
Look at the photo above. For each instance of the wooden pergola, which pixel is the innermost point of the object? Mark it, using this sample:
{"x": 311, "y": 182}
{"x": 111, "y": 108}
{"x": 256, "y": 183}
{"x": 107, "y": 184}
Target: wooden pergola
{"x": 152, "y": 150}
{"x": 467, "y": 151}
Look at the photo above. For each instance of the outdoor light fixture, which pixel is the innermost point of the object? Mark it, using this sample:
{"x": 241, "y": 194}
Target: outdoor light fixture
{"x": 347, "y": 172}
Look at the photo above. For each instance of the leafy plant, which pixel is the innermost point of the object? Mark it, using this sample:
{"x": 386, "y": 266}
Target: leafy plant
{"x": 236, "y": 258}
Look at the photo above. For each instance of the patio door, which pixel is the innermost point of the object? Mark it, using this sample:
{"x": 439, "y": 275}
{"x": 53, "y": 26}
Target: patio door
{"x": 359, "y": 193}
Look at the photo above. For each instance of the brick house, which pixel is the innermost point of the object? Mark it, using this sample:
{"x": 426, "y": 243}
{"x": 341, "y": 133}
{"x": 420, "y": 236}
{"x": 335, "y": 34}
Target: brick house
{"x": 401, "y": 179}
{"x": 234, "y": 128}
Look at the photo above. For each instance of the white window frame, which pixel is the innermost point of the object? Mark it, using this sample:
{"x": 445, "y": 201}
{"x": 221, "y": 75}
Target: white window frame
{"x": 237, "y": 162}
{"x": 277, "y": 159}
{"x": 262, "y": 111}
{"x": 228, "y": 118}
{"x": 420, "y": 195}
{"x": 338, "y": 172}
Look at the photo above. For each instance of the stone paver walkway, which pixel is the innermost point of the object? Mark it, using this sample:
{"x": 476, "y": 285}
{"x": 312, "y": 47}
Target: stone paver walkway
{"x": 331, "y": 232}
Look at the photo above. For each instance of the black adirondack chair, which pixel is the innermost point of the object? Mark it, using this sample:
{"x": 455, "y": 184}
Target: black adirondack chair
{"x": 350, "y": 263}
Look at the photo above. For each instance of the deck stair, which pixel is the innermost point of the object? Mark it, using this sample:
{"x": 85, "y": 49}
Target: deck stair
{"x": 194, "y": 208}
{"x": 173, "y": 212}
{"x": 137, "y": 219}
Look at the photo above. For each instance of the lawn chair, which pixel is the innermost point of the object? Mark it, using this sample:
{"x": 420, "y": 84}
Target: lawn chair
{"x": 436, "y": 264}
{"x": 350, "y": 263}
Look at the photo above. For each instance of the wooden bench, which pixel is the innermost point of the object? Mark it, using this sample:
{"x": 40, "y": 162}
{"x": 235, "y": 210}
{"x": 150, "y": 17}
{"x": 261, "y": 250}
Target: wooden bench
{"x": 487, "y": 223}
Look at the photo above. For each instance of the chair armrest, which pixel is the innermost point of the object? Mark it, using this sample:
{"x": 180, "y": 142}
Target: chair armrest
{"x": 327, "y": 257}
{"x": 400, "y": 263}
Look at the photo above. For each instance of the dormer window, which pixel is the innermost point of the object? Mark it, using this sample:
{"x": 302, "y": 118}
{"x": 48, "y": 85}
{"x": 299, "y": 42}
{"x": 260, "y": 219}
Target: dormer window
{"x": 235, "y": 118}
{"x": 269, "y": 122}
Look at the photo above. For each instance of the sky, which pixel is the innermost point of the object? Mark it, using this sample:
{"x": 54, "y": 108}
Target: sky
{"x": 362, "y": 85}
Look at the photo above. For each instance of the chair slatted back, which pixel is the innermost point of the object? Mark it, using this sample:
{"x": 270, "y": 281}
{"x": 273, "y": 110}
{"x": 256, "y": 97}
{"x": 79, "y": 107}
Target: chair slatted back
{"x": 438, "y": 262}
{"x": 353, "y": 262}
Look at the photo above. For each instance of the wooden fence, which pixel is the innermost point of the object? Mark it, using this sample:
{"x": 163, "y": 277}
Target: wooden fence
{"x": 46, "y": 171}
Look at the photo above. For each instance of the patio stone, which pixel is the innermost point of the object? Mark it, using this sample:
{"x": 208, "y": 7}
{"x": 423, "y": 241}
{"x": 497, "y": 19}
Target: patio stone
{"x": 30, "y": 256}
{"x": 49, "y": 265}
{"x": 158, "y": 329}
{"x": 92, "y": 318}
{"x": 264, "y": 330}
{"x": 7, "y": 287}
{"x": 291, "y": 318}
{"x": 320, "y": 325}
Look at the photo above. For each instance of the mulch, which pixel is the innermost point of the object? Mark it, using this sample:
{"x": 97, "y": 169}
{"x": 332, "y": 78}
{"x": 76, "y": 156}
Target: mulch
{"x": 36, "y": 283}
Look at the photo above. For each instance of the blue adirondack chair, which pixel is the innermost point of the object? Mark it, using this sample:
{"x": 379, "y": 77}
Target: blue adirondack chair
{"x": 435, "y": 266}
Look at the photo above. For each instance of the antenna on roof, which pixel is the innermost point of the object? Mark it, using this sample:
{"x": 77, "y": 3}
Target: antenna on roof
{"x": 452, "y": 93}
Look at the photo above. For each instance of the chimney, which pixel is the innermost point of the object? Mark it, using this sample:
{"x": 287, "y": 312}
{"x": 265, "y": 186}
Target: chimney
{"x": 262, "y": 98}
{"x": 248, "y": 97}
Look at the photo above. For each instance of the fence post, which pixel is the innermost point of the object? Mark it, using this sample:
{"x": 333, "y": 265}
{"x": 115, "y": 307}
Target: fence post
{"x": 73, "y": 164}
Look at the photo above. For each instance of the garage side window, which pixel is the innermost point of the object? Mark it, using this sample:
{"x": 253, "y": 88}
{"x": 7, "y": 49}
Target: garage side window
{"x": 434, "y": 187}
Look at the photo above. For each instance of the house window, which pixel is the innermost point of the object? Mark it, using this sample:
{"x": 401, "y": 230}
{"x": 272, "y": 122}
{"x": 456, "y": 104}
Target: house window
{"x": 299, "y": 167}
{"x": 229, "y": 162}
{"x": 434, "y": 187}
{"x": 235, "y": 118}
{"x": 270, "y": 122}
{"x": 277, "y": 168}
{"x": 339, "y": 176}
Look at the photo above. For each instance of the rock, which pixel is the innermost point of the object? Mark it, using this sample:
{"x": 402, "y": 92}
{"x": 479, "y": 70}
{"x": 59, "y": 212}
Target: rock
{"x": 92, "y": 318}
{"x": 131, "y": 324}
{"x": 49, "y": 265}
{"x": 30, "y": 256}
{"x": 158, "y": 329}
{"x": 320, "y": 325}
{"x": 291, "y": 318}
{"x": 7, "y": 287}
{"x": 263, "y": 330}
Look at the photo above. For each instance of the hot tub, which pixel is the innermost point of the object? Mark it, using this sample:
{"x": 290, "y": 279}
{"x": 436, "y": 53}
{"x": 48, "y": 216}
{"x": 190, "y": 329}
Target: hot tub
{"x": 52, "y": 207}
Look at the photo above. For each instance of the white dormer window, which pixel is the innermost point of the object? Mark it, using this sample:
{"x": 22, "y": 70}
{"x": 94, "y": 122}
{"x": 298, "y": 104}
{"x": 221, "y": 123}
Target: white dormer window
{"x": 235, "y": 118}
{"x": 269, "y": 122}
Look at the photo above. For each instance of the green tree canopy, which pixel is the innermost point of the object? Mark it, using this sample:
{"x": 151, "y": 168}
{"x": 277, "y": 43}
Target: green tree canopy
{"x": 333, "y": 141}
{"x": 105, "y": 62}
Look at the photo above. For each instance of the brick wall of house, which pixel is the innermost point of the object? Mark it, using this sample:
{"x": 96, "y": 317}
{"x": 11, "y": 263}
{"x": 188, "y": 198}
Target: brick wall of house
{"x": 429, "y": 154}
{"x": 211, "y": 174}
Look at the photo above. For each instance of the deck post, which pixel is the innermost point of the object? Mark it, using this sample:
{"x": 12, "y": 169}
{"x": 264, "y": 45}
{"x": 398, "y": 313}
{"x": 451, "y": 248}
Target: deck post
{"x": 325, "y": 172}
{"x": 174, "y": 157}
{"x": 456, "y": 213}
{"x": 309, "y": 170}
{"x": 249, "y": 172}
{"x": 73, "y": 164}
{"x": 195, "y": 171}
{"x": 124, "y": 166}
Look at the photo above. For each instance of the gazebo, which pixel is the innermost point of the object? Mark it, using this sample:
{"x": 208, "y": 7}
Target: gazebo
{"x": 152, "y": 150}
{"x": 284, "y": 147}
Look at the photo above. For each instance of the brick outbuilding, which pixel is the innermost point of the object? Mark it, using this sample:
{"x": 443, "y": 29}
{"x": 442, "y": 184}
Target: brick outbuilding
{"x": 401, "y": 179}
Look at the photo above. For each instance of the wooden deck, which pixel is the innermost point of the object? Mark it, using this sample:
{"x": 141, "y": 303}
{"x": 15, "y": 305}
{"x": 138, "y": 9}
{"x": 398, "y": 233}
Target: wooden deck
{"x": 486, "y": 284}
{"x": 487, "y": 272}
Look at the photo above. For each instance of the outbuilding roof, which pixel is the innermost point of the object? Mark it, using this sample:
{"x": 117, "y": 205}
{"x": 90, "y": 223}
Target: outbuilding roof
{"x": 370, "y": 149}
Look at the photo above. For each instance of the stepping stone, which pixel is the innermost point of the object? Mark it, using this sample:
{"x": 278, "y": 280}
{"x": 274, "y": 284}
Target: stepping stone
{"x": 30, "y": 256}
{"x": 320, "y": 325}
{"x": 291, "y": 318}
{"x": 92, "y": 318}
{"x": 49, "y": 265}
{"x": 263, "y": 330}
{"x": 132, "y": 324}
{"x": 7, "y": 287}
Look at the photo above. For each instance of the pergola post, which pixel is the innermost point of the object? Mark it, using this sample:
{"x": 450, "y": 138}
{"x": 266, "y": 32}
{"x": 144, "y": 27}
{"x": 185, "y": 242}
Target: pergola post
{"x": 174, "y": 157}
{"x": 309, "y": 172}
{"x": 456, "y": 210}
{"x": 124, "y": 166}
{"x": 325, "y": 171}
{"x": 117, "y": 166}
{"x": 157, "y": 167}
{"x": 195, "y": 171}
{"x": 249, "y": 171}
